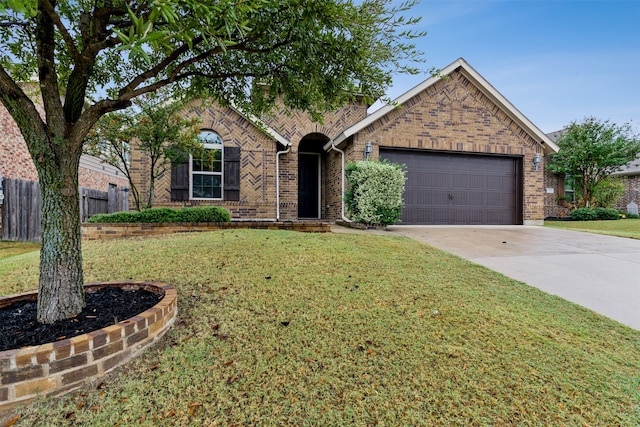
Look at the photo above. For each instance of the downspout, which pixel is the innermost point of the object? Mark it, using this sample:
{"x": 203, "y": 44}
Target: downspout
{"x": 333, "y": 147}
{"x": 278, "y": 180}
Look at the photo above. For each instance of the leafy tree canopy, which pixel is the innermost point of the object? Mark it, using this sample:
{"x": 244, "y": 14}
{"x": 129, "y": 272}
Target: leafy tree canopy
{"x": 591, "y": 151}
{"x": 157, "y": 128}
{"x": 87, "y": 58}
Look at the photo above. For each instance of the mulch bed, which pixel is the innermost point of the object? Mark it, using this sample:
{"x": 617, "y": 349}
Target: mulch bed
{"x": 19, "y": 326}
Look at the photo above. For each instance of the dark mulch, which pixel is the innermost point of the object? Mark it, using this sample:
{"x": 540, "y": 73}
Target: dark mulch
{"x": 19, "y": 327}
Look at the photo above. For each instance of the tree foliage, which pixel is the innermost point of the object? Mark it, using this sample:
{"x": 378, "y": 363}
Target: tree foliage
{"x": 92, "y": 57}
{"x": 158, "y": 130}
{"x": 591, "y": 151}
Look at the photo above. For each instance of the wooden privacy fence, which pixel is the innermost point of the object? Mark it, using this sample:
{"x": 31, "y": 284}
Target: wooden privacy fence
{"x": 21, "y": 207}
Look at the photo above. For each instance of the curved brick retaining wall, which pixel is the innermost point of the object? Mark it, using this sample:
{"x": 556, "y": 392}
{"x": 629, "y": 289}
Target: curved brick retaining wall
{"x": 56, "y": 368}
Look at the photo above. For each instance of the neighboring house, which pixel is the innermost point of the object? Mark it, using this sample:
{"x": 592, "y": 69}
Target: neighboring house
{"x": 468, "y": 151}
{"x": 632, "y": 193}
{"x": 560, "y": 190}
{"x": 16, "y": 163}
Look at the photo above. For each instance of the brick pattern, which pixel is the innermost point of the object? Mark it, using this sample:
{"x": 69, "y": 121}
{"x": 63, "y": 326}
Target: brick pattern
{"x": 56, "y": 368}
{"x": 632, "y": 193}
{"x": 451, "y": 115}
{"x": 15, "y": 160}
{"x": 454, "y": 115}
{"x": 117, "y": 231}
{"x": 554, "y": 207}
{"x": 558, "y": 209}
{"x": 258, "y": 160}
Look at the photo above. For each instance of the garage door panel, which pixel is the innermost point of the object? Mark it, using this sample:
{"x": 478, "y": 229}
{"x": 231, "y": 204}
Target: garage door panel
{"x": 455, "y": 188}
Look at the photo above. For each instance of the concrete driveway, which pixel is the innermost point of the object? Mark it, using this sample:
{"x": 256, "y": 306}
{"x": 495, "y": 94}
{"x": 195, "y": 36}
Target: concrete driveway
{"x": 599, "y": 272}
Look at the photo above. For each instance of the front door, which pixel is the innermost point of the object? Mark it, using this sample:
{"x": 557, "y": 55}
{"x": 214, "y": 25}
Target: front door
{"x": 309, "y": 185}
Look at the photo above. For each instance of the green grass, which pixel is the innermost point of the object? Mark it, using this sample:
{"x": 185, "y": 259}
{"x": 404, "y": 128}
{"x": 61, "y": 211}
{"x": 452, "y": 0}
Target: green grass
{"x": 280, "y": 328}
{"x": 8, "y": 249}
{"x": 621, "y": 228}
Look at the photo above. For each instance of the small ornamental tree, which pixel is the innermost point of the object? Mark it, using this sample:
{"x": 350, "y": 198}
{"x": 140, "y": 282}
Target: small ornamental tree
{"x": 93, "y": 57}
{"x": 158, "y": 130}
{"x": 591, "y": 151}
{"x": 375, "y": 191}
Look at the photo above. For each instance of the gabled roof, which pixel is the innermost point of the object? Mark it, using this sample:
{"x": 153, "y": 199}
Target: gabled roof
{"x": 480, "y": 82}
{"x": 268, "y": 130}
{"x": 631, "y": 168}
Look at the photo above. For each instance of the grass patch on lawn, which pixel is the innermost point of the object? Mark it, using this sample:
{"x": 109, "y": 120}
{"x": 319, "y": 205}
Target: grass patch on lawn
{"x": 8, "y": 249}
{"x": 621, "y": 227}
{"x": 281, "y": 328}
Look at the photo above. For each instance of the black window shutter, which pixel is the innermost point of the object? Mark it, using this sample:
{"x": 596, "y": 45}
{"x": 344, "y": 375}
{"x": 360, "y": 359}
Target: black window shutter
{"x": 231, "y": 173}
{"x": 180, "y": 181}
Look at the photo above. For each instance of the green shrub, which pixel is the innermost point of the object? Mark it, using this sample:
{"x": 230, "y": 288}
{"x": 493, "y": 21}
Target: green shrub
{"x": 632, "y": 216}
{"x": 609, "y": 191}
{"x": 607, "y": 213}
{"x": 118, "y": 217}
{"x": 592, "y": 214}
{"x": 375, "y": 191}
{"x": 204, "y": 214}
{"x": 584, "y": 214}
{"x": 159, "y": 215}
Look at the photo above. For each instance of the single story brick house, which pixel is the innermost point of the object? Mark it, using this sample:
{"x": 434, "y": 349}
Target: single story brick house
{"x": 471, "y": 158}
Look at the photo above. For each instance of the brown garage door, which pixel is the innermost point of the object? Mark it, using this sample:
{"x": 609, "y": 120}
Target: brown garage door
{"x": 453, "y": 188}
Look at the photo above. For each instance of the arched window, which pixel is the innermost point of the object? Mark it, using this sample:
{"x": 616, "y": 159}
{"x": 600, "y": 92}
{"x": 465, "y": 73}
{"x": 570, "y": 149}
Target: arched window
{"x": 207, "y": 168}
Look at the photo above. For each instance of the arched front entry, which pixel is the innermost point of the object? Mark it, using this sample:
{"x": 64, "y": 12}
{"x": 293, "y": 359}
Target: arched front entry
{"x": 310, "y": 158}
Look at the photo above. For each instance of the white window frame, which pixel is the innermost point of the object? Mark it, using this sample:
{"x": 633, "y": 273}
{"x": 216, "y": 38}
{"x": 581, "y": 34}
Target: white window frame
{"x": 208, "y": 146}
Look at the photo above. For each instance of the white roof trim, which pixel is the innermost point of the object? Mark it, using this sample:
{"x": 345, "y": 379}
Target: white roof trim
{"x": 262, "y": 126}
{"x": 548, "y": 145}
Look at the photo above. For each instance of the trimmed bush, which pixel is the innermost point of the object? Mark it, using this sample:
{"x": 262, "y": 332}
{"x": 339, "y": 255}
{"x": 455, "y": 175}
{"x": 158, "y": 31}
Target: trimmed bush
{"x": 375, "y": 192}
{"x": 607, "y": 213}
{"x": 118, "y": 217}
{"x": 592, "y": 214}
{"x": 204, "y": 214}
{"x": 159, "y": 215}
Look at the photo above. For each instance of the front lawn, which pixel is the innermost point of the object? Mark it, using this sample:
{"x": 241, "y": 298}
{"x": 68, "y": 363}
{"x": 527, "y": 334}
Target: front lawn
{"x": 8, "y": 249}
{"x": 621, "y": 227}
{"x": 280, "y": 328}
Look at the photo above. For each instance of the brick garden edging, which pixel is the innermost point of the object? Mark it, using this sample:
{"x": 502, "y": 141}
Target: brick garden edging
{"x": 56, "y": 368}
{"x": 91, "y": 231}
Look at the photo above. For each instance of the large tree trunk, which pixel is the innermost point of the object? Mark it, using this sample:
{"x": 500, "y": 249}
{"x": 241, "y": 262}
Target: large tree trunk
{"x": 61, "y": 293}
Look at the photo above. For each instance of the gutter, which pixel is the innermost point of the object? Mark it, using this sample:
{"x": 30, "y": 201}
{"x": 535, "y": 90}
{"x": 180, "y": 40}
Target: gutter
{"x": 333, "y": 147}
{"x": 278, "y": 154}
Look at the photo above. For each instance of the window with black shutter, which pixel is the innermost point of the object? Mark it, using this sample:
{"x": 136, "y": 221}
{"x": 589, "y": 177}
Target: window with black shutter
{"x": 231, "y": 173}
{"x": 180, "y": 181}
{"x": 213, "y": 174}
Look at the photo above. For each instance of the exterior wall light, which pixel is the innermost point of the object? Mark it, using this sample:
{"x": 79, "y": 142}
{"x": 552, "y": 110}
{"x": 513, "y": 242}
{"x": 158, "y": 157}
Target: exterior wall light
{"x": 537, "y": 159}
{"x": 368, "y": 148}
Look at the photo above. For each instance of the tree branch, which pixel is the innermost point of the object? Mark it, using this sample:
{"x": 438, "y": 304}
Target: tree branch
{"x": 24, "y": 112}
{"x": 47, "y": 72}
{"x": 55, "y": 18}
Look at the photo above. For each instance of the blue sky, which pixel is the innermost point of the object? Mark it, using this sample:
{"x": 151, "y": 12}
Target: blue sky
{"x": 556, "y": 61}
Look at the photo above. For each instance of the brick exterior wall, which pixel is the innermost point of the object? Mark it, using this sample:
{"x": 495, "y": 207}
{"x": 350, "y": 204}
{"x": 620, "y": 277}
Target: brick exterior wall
{"x": 632, "y": 193}
{"x": 258, "y": 162}
{"x": 15, "y": 160}
{"x": 454, "y": 115}
{"x": 451, "y": 115}
{"x": 555, "y": 208}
